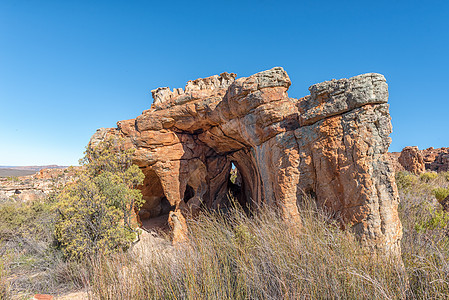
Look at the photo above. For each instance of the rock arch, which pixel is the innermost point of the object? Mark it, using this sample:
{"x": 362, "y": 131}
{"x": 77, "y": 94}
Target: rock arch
{"x": 331, "y": 143}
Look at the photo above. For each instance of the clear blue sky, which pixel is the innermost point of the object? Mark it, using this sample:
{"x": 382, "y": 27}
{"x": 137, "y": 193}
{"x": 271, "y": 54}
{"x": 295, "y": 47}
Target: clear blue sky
{"x": 70, "y": 67}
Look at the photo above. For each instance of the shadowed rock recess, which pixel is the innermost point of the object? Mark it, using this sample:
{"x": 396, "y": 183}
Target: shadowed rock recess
{"x": 331, "y": 144}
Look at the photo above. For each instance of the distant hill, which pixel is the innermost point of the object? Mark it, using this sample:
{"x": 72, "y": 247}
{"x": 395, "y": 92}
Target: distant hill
{"x": 6, "y": 171}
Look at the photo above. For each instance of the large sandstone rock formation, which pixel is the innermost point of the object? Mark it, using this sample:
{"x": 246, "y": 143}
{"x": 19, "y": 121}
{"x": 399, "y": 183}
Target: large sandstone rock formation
{"x": 331, "y": 144}
{"x": 418, "y": 161}
{"x": 412, "y": 160}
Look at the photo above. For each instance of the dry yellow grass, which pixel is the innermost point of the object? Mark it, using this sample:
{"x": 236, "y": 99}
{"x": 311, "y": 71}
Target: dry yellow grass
{"x": 233, "y": 256}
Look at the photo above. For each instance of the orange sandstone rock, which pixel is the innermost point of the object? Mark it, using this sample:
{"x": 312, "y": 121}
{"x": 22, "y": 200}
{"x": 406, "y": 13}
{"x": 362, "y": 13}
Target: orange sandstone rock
{"x": 412, "y": 160}
{"x": 331, "y": 144}
{"x": 436, "y": 159}
{"x": 43, "y": 297}
{"x": 178, "y": 225}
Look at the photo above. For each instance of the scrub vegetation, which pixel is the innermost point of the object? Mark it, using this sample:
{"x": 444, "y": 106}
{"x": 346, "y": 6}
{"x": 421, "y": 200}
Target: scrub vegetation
{"x": 95, "y": 213}
{"x": 233, "y": 256}
{"x": 42, "y": 242}
{"x": 228, "y": 256}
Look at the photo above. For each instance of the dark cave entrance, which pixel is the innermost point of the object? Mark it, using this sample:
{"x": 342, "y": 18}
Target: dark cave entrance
{"x": 236, "y": 188}
{"x": 189, "y": 193}
{"x": 218, "y": 182}
{"x": 154, "y": 212}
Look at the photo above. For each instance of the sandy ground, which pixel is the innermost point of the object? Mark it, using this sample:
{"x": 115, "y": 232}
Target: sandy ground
{"x": 156, "y": 224}
{"x": 73, "y": 296}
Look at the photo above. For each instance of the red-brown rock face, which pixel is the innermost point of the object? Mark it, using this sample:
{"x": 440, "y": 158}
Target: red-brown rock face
{"x": 436, "y": 159}
{"x": 418, "y": 161}
{"x": 331, "y": 144}
{"x": 412, "y": 160}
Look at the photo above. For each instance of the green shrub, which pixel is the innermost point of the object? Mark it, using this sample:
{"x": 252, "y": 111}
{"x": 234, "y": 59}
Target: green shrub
{"x": 27, "y": 219}
{"x": 13, "y": 178}
{"x": 405, "y": 180}
{"x": 27, "y": 231}
{"x": 440, "y": 193}
{"x": 96, "y": 212}
{"x": 427, "y": 176}
{"x": 438, "y": 220}
{"x": 233, "y": 177}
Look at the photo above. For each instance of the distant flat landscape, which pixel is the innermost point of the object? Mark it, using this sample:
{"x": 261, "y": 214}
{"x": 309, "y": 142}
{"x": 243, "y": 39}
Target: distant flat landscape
{"x": 7, "y": 171}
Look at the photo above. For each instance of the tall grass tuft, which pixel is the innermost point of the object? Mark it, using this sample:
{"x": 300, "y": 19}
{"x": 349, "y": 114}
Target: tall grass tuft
{"x": 4, "y": 283}
{"x": 425, "y": 243}
{"x": 234, "y": 256}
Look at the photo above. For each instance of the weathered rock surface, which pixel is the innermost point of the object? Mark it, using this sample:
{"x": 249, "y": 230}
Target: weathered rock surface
{"x": 412, "y": 160}
{"x": 178, "y": 226}
{"x": 331, "y": 144}
{"x": 393, "y": 157}
{"x": 436, "y": 159}
{"x": 418, "y": 161}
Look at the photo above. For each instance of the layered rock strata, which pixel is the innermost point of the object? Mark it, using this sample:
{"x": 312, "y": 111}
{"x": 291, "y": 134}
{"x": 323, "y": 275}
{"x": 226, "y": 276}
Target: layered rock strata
{"x": 331, "y": 144}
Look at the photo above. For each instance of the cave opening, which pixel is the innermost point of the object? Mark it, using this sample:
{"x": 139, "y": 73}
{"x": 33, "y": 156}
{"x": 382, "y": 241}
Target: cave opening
{"x": 153, "y": 214}
{"x": 236, "y": 188}
{"x": 217, "y": 182}
{"x": 189, "y": 193}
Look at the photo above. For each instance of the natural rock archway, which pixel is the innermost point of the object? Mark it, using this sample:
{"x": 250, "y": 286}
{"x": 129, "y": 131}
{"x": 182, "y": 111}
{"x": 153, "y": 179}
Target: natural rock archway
{"x": 331, "y": 144}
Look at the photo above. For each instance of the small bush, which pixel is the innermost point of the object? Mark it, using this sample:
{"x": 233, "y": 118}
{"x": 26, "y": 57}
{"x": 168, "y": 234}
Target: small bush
{"x": 13, "y": 178}
{"x": 405, "y": 180}
{"x": 26, "y": 229}
{"x": 439, "y": 220}
{"x": 428, "y": 176}
{"x": 33, "y": 218}
{"x": 233, "y": 177}
{"x": 95, "y": 212}
{"x": 440, "y": 193}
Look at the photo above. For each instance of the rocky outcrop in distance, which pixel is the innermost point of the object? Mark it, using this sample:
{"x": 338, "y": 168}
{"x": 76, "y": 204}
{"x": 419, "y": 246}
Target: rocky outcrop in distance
{"x": 33, "y": 187}
{"x": 412, "y": 160}
{"x": 330, "y": 145}
{"x": 417, "y": 161}
{"x": 436, "y": 159}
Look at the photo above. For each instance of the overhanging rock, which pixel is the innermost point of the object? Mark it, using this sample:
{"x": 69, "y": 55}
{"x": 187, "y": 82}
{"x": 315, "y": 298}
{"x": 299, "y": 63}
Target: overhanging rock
{"x": 331, "y": 144}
